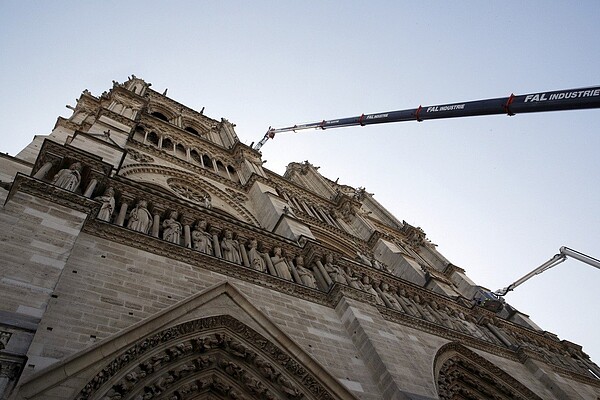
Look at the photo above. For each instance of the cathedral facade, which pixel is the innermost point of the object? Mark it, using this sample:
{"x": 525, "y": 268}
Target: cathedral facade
{"x": 148, "y": 254}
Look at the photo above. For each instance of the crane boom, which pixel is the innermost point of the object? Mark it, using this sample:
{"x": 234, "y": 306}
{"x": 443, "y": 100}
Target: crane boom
{"x": 557, "y": 259}
{"x": 568, "y": 99}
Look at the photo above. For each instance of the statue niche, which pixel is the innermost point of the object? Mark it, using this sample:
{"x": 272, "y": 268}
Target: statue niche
{"x": 69, "y": 178}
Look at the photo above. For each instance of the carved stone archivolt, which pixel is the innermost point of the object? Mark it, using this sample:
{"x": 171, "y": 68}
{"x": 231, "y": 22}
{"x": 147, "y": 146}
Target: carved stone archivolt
{"x": 237, "y": 196}
{"x": 218, "y": 355}
{"x": 197, "y": 188}
{"x": 462, "y": 374}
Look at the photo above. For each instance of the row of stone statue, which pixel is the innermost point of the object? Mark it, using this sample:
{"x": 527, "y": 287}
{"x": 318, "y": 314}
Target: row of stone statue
{"x": 320, "y": 275}
{"x": 410, "y": 303}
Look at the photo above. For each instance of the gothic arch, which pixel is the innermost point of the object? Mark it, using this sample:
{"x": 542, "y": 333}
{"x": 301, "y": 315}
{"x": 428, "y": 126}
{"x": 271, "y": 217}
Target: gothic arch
{"x": 217, "y": 356}
{"x": 463, "y": 374}
{"x": 163, "y": 110}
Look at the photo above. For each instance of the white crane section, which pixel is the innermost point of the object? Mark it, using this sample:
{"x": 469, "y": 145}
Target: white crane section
{"x": 557, "y": 259}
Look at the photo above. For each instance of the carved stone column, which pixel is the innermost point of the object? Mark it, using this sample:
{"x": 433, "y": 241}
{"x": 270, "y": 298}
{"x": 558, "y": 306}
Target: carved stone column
{"x": 214, "y": 230}
{"x": 499, "y": 335}
{"x": 294, "y": 272}
{"x": 41, "y": 173}
{"x": 269, "y": 263}
{"x": 321, "y": 283}
{"x": 157, "y": 209}
{"x": 90, "y": 188}
{"x": 187, "y": 233}
{"x": 125, "y": 201}
{"x": 324, "y": 273}
{"x": 242, "y": 243}
{"x": 387, "y": 302}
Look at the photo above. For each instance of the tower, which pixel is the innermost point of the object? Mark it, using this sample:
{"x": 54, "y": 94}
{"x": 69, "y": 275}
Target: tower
{"x": 147, "y": 253}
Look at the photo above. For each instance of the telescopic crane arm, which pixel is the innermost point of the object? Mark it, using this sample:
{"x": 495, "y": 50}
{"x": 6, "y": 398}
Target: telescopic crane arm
{"x": 557, "y": 259}
{"x": 568, "y": 99}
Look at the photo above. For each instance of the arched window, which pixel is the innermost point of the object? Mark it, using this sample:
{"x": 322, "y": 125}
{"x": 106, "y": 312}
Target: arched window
{"x": 196, "y": 157}
{"x": 180, "y": 151}
{"x": 160, "y": 116}
{"x": 207, "y": 162}
{"x": 167, "y": 144}
{"x": 233, "y": 174}
{"x": 221, "y": 169}
{"x": 191, "y": 130}
{"x": 152, "y": 138}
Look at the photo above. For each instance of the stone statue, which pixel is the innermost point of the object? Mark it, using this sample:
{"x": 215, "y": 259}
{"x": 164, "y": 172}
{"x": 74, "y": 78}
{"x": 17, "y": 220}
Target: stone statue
{"x": 333, "y": 270}
{"x": 4, "y": 337}
{"x": 172, "y": 228}
{"x": 306, "y": 276}
{"x": 108, "y": 204}
{"x": 280, "y": 264}
{"x": 206, "y": 201}
{"x": 68, "y": 178}
{"x": 140, "y": 219}
{"x": 230, "y": 249}
{"x": 255, "y": 257}
{"x": 379, "y": 265}
{"x": 385, "y": 291}
{"x": 202, "y": 239}
{"x": 368, "y": 287}
{"x": 363, "y": 258}
{"x": 407, "y": 305}
{"x": 421, "y": 306}
{"x": 353, "y": 279}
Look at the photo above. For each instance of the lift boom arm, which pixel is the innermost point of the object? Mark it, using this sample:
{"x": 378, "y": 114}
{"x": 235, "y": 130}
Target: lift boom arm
{"x": 568, "y": 99}
{"x": 557, "y": 259}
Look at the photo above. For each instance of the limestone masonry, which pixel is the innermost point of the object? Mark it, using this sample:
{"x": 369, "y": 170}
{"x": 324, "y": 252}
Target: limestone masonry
{"x": 146, "y": 253}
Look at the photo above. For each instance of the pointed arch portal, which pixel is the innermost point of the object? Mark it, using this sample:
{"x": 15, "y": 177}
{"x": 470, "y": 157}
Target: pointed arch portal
{"x": 462, "y": 374}
{"x": 215, "y": 357}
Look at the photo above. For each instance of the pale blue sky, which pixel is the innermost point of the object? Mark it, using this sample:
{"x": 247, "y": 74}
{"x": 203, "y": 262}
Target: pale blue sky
{"x": 499, "y": 195}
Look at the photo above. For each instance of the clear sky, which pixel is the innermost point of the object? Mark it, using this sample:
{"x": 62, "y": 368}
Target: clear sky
{"x": 498, "y": 194}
